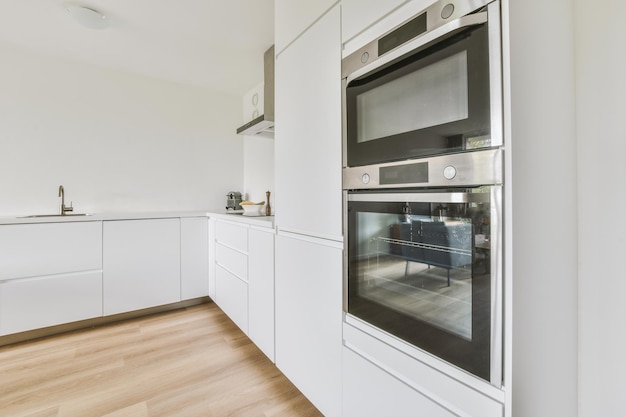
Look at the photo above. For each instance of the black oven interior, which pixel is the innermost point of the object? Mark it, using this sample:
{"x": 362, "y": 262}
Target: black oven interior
{"x": 421, "y": 272}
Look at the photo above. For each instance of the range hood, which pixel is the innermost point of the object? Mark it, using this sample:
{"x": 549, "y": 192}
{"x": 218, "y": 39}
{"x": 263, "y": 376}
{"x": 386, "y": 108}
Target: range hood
{"x": 264, "y": 124}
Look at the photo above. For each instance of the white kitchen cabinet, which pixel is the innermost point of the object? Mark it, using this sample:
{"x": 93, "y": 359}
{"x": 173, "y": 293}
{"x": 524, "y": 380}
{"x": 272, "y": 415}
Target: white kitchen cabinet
{"x": 407, "y": 386}
{"x": 231, "y": 271}
{"x": 291, "y": 18}
{"x": 29, "y": 250}
{"x": 232, "y": 296}
{"x": 261, "y": 289}
{"x": 309, "y": 317}
{"x": 141, "y": 262}
{"x": 194, "y": 257}
{"x": 244, "y": 279}
{"x": 308, "y": 131}
{"x": 33, "y": 303}
{"x": 357, "y": 15}
{"x": 50, "y": 274}
{"x": 368, "y": 391}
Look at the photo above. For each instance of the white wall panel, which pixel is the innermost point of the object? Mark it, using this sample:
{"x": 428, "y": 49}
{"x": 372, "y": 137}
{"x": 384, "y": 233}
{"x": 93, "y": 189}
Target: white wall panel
{"x": 116, "y": 141}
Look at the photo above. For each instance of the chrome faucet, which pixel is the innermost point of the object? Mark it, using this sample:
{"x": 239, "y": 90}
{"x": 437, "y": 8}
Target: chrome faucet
{"x": 64, "y": 209}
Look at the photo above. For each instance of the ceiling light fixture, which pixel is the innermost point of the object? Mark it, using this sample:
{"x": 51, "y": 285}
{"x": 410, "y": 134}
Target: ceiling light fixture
{"x": 87, "y": 17}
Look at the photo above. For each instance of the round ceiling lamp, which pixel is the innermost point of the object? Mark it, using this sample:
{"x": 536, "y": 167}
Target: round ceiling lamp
{"x": 87, "y": 17}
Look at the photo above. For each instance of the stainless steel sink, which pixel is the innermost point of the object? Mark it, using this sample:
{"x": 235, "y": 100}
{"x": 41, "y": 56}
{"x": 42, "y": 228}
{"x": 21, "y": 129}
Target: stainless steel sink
{"x": 54, "y": 215}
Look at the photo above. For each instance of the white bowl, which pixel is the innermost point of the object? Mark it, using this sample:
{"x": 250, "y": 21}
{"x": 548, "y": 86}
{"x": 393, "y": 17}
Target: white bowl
{"x": 253, "y": 209}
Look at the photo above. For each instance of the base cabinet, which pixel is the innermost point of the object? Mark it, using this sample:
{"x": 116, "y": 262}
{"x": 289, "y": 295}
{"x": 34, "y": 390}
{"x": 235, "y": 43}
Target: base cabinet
{"x": 368, "y": 391}
{"x": 194, "y": 257}
{"x": 308, "y": 318}
{"x": 231, "y": 271}
{"x": 32, "y": 303}
{"x": 141, "y": 263}
{"x": 382, "y": 373}
{"x": 261, "y": 289}
{"x": 244, "y": 279}
{"x": 50, "y": 273}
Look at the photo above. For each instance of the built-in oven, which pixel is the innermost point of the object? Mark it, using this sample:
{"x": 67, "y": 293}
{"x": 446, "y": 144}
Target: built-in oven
{"x": 423, "y": 256}
{"x": 431, "y": 86}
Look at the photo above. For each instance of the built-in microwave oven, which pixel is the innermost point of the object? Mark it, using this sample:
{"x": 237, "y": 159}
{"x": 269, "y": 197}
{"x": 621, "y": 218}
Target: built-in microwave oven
{"x": 431, "y": 86}
{"x": 423, "y": 180}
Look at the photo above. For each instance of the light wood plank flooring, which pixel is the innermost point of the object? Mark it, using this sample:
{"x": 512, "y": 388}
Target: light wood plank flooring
{"x": 192, "y": 362}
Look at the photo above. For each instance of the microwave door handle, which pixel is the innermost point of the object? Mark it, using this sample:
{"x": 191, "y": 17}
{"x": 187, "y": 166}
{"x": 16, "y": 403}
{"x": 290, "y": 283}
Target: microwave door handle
{"x": 452, "y": 197}
{"x": 419, "y": 43}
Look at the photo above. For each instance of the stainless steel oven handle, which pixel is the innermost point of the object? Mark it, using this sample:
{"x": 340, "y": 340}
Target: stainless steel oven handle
{"x": 413, "y": 197}
{"x": 352, "y": 62}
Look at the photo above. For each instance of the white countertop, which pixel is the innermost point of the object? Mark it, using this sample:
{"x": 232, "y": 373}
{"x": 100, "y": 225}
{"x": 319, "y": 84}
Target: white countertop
{"x": 263, "y": 221}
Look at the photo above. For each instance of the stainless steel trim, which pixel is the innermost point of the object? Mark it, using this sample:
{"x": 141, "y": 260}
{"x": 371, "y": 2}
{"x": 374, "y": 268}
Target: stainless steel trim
{"x": 345, "y": 251}
{"x": 496, "y": 221}
{"x": 472, "y": 169}
{"x": 344, "y": 125}
{"x": 352, "y": 67}
{"x": 413, "y": 197}
{"x": 497, "y": 290}
{"x": 495, "y": 73}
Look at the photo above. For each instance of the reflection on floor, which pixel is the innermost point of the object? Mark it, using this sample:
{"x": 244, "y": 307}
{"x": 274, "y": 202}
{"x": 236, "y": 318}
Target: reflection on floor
{"x": 421, "y": 291}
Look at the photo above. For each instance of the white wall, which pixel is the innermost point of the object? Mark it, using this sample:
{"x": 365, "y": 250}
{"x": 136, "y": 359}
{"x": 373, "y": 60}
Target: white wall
{"x": 258, "y": 161}
{"x": 601, "y": 111}
{"x": 541, "y": 209}
{"x": 116, "y": 141}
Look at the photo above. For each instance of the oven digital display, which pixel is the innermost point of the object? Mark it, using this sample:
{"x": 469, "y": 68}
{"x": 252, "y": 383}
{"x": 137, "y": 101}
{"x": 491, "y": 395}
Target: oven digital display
{"x": 404, "y": 174}
{"x": 403, "y": 34}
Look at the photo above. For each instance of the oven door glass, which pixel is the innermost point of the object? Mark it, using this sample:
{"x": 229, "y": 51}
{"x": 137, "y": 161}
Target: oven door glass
{"x": 422, "y": 270}
{"x": 434, "y": 102}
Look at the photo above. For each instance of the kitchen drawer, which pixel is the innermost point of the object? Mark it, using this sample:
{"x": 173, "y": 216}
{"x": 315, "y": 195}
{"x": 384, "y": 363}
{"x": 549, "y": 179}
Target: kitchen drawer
{"x": 231, "y": 260}
{"x": 232, "y": 297}
{"x": 33, "y": 303}
{"x": 29, "y": 250}
{"x": 232, "y": 235}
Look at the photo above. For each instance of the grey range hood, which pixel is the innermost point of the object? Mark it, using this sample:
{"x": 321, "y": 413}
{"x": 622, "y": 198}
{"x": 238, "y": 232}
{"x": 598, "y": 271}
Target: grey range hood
{"x": 264, "y": 124}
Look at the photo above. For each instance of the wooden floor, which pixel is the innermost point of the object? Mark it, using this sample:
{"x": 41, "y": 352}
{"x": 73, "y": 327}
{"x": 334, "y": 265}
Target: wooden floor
{"x": 190, "y": 362}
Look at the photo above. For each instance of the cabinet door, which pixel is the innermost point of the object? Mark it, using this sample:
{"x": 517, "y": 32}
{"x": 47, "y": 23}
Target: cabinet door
{"x": 32, "y": 303}
{"x": 308, "y": 132}
{"x": 231, "y": 271}
{"x": 141, "y": 263}
{"x": 309, "y": 317}
{"x": 232, "y": 296}
{"x": 293, "y": 17}
{"x": 368, "y": 391}
{"x": 194, "y": 257}
{"x": 29, "y": 250}
{"x": 261, "y": 289}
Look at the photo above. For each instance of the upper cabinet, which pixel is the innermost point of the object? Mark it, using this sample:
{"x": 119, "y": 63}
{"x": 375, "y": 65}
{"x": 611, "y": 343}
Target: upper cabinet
{"x": 293, "y": 17}
{"x": 308, "y": 133}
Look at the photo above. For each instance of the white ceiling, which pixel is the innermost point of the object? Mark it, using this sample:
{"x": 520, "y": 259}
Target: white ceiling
{"x": 209, "y": 43}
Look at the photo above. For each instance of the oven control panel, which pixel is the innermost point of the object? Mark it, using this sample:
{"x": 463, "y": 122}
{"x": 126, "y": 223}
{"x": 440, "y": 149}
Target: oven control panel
{"x": 456, "y": 170}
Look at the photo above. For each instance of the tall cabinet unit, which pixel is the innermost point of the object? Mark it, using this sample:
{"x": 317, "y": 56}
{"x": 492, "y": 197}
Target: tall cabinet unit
{"x": 309, "y": 240}
{"x": 388, "y": 378}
